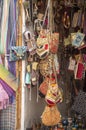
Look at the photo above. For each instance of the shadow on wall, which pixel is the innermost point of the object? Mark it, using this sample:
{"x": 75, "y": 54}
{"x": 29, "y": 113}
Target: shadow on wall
{"x": 33, "y": 109}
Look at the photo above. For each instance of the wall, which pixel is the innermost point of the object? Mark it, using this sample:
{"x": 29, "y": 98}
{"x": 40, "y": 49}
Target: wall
{"x": 33, "y": 109}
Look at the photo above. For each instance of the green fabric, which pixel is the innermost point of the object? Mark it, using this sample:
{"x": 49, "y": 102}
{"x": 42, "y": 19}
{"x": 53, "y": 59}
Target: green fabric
{"x": 4, "y": 26}
{"x": 8, "y": 77}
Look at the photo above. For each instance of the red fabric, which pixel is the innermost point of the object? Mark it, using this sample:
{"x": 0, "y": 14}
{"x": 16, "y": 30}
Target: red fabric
{"x": 50, "y": 102}
{"x": 46, "y": 46}
{"x": 80, "y": 70}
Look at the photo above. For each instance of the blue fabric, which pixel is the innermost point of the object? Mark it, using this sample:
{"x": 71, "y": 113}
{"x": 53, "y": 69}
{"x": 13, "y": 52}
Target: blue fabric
{"x": 11, "y": 37}
{"x": 28, "y": 78}
{"x": 17, "y": 53}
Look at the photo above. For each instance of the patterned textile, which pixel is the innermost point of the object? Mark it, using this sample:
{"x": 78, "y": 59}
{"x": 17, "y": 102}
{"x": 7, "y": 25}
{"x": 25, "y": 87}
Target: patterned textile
{"x": 8, "y": 77}
{"x": 4, "y": 98}
{"x": 9, "y": 91}
{"x": 8, "y": 117}
{"x": 79, "y": 105}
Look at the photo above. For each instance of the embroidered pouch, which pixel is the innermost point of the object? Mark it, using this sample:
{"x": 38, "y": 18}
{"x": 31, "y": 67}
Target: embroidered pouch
{"x": 46, "y": 65}
{"x": 44, "y": 85}
{"x": 30, "y": 42}
{"x": 42, "y": 44}
{"x": 77, "y": 39}
{"x": 71, "y": 64}
{"x": 34, "y": 77}
{"x": 53, "y": 95}
{"x": 79, "y": 70}
{"x": 53, "y": 42}
{"x": 17, "y": 53}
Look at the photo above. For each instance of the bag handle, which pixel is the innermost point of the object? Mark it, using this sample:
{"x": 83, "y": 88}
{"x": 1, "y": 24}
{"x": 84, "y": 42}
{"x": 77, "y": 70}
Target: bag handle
{"x": 14, "y": 29}
{"x": 46, "y": 12}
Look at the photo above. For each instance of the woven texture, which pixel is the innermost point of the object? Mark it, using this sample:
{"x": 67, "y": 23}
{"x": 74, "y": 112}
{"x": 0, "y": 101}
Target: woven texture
{"x": 8, "y": 117}
{"x": 80, "y": 103}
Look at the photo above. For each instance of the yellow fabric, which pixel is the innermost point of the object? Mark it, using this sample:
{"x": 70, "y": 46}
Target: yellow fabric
{"x": 34, "y": 65}
{"x": 8, "y": 78}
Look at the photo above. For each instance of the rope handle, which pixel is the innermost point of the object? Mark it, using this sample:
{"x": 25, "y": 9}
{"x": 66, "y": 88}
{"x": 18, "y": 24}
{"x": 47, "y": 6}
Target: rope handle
{"x": 14, "y": 29}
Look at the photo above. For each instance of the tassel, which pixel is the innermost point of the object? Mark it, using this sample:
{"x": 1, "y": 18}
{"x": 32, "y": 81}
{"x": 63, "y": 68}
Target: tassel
{"x": 30, "y": 93}
{"x": 37, "y": 91}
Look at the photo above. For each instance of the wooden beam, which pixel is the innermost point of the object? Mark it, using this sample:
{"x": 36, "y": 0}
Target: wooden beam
{"x": 19, "y": 66}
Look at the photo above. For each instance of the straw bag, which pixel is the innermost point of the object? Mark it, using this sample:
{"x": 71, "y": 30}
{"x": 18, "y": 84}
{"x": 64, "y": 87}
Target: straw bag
{"x": 51, "y": 116}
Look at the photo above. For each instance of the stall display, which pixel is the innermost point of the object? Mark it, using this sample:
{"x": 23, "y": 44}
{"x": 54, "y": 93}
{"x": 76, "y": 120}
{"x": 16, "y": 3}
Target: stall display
{"x": 51, "y": 52}
{"x": 60, "y": 46}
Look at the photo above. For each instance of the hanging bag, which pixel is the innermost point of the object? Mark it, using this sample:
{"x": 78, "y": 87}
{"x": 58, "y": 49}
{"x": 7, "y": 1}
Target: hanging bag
{"x": 44, "y": 85}
{"x": 17, "y": 53}
{"x": 42, "y": 44}
{"x": 51, "y": 116}
{"x": 54, "y": 42}
{"x": 54, "y": 94}
{"x": 79, "y": 70}
{"x": 77, "y": 39}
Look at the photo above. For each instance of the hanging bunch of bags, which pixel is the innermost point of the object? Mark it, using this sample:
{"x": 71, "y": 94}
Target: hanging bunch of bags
{"x": 47, "y": 49}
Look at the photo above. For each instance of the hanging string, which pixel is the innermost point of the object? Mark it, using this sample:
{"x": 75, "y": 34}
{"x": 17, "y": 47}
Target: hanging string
{"x": 30, "y": 93}
{"x": 37, "y": 90}
{"x": 14, "y": 29}
{"x": 46, "y": 14}
{"x": 10, "y": 44}
{"x": 55, "y": 73}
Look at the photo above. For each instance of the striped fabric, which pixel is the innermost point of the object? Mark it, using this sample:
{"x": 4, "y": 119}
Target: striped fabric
{"x": 1, "y": 8}
{"x": 4, "y": 25}
{"x": 8, "y": 117}
{"x": 11, "y": 35}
